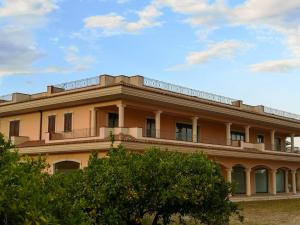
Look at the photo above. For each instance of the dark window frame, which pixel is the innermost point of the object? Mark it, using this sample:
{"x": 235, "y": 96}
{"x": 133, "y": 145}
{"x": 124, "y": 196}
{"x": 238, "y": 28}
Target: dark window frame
{"x": 14, "y": 128}
{"x": 150, "y": 128}
{"x": 237, "y": 136}
{"x": 184, "y": 132}
{"x": 68, "y": 122}
{"x": 260, "y": 139}
{"x": 113, "y": 120}
{"x": 51, "y": 124}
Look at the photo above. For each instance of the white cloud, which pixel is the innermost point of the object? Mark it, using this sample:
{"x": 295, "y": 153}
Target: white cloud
{"x": 279, "y": 66}
{"x": 78, "y": 62}
{"x": 219, "y": 50}
{"x": 223, "y": 49}
{"x": 106, "y": 22}
{"x": 147, "y": 18}
{"x": 9, "y": 8}
{"x": 115, "y": 24}
{"x": 280, "y": 17}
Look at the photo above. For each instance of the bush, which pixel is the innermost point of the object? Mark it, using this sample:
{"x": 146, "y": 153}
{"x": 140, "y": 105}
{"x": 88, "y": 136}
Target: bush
{"x": 122, "y": 188}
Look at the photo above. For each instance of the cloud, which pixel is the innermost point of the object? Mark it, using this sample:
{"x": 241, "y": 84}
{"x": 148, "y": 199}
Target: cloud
{"x": 15, "y": 8}
{"x": 18, "y": 50}
{"x": 106, "y": 22}
{"x": 113, "y": 23}
{"x": 279, "y": 66}
{"x": 78, "y": 62}
{"x": 280, "y": 17}
{"x": 219, "y": 50}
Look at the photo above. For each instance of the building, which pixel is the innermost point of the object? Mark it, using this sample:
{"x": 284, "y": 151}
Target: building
{"x": 70, "y": 120}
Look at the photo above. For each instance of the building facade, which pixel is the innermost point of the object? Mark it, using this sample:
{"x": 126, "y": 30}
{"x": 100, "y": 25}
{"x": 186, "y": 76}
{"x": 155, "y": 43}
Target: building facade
{"x": 71, "y": 120}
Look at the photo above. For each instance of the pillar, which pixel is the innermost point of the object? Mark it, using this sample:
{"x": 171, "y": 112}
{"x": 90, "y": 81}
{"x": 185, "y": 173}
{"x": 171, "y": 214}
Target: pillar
{"x": 228, "y": 133}
{"x": 273, "y": 191}
{"x": 195, "y": 125}
{"x": 229, "y": 172}
{"x": 121, "y": 108}
{"x": 247, "y": 134}
{"x": 93, "y": 122}
{"x": 292, "y": 142}
{"x": 273, "y": 140}
{"x": 157, "y": 124}
{"x": 248, "y": 181}
{"x": 294, "y": 181}
{"x": 286, "y": 177}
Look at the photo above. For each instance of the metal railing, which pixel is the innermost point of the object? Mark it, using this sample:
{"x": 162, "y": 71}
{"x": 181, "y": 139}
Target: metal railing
{"x": 6, "y": 98}
{"x": 79, "y": 83}
{"x": 187, "y": 91}
{"x": 79, "y": 133}
{"x": 281, "y": 113}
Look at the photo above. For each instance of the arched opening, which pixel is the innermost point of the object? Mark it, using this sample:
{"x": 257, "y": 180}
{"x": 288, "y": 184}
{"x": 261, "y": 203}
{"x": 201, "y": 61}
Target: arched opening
{"x": 66, "y": 166}
{"x": 280, "y": 181}
{"x": 239, "y": 179}
{"x": 261, "y": 180}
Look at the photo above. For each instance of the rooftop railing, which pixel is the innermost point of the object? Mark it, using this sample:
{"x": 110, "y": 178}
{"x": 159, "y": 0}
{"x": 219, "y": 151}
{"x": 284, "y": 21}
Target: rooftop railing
{"x": 281, "y": 113}
{"x": 209, "y": 96}
{"x": 187, "y": 91}
{"x": 6, "y": 98}
{"x": 79, "y": 83}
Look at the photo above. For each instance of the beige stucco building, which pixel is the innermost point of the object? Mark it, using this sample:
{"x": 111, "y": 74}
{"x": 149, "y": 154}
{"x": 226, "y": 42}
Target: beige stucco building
{"x": 71, "y": 120}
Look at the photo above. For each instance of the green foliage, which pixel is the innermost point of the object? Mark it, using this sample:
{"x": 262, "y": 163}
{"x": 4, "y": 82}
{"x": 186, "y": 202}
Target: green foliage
{"x": 122, "y": 188}
{"x": 23, "y": 195}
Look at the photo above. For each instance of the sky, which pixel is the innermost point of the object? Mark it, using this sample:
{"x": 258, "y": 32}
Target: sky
{"x": 243, "y": 49}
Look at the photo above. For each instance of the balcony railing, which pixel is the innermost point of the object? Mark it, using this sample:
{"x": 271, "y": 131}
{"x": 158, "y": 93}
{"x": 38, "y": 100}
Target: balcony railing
{"x": 281, "y": 113}
{"x": 79, "y": 133}
{"x": 187, "y": 91}
{"x": 79, "y": 83}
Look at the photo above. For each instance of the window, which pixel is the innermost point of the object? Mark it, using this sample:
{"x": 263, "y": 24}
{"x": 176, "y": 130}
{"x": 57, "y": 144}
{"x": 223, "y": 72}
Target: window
{"x": 278, "y": 144}
{"x": 184, "y": 132}
{"x": 68, "y": 122}
{"x": 261, "y": 180}
{"x": 113, "y": 120}
{"x": 150, "y": 132}
{"x": 51, "y": 124}
{"x": 66, "y": 167}
{"x": 260, "y": 139}
{"x": 14, "y": 128}
{"x": 237, "y": 136}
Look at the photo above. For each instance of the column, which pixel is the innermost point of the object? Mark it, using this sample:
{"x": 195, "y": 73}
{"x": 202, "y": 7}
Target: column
{"x": 286, "y": 177}
{"x": 195, "y": 125}
{"x": 157, "y": 124}
{"x": 273, "y": 140}
{"x": 229, "y": 172}
{"x": 292, "y": 142}
{"x": 248, "y": 181}
{"x": 247, "y": 134}
{"x": 228, "y": 133}
{"x": 274, "y": 191}
{"x": 93, "y": 125}
{"x": 121, "y": 108}
{"x": 294, "y": 181}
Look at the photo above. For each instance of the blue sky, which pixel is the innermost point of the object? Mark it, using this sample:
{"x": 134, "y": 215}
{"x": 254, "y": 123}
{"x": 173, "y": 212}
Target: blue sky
{"x": 244, "y": 49}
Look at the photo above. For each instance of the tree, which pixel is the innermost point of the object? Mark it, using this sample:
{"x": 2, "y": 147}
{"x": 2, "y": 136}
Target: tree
{"x": 125, "y": 186}
{"x": 23, "y": 196}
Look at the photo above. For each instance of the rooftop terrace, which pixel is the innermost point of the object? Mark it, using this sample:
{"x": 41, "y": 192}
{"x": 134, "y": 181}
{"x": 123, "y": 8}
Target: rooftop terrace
{"x": 147, "y": 82}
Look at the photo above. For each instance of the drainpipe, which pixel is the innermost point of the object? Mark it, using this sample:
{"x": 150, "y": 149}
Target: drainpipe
{"x": 41, "y": 121}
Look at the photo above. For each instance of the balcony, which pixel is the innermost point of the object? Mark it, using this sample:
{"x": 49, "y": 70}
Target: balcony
{"x": 150, "y": 135}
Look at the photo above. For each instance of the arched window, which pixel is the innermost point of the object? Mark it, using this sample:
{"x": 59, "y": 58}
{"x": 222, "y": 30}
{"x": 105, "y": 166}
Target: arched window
{"x": 66, "y": 166}
{"x": 280, "y": 180}
{"x": 239, "y": 179}
{"x": 261, "y": 180}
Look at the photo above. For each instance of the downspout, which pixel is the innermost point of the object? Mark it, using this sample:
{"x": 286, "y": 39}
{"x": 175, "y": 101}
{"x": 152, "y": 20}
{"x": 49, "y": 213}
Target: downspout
{"x": 41, "y": 126}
